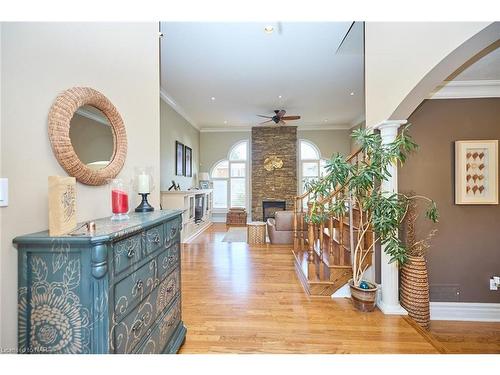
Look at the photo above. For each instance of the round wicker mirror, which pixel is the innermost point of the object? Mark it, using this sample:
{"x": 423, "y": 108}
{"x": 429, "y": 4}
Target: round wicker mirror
{"x": 60, "y": 115}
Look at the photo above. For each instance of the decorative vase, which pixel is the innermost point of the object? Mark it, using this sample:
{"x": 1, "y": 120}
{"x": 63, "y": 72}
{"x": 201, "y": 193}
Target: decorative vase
{"x": 414, "y": 290}
{"x": 363, "y": 299}
{"x": 119, "y": 199}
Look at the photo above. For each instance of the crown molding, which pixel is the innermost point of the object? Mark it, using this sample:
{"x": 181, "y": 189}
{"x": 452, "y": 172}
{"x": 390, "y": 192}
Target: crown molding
{"x": 467, "y": 89}
{"x": 92, "y": 116}
{"x": 358, "y": 121}
{"x": 249, "y": 128}
{"x": 177, "y": 108}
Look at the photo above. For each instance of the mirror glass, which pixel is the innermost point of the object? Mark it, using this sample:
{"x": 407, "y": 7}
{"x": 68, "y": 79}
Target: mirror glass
{"x": 92, "y": 137}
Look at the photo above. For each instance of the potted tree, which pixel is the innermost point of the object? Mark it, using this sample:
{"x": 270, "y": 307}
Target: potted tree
{"x": 358, "y": 186}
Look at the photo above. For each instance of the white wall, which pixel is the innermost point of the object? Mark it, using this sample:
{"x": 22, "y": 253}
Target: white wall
{"x": 175, "y": 128}
{"x": 38, "y": 61}
{"x": 398, "y": 55}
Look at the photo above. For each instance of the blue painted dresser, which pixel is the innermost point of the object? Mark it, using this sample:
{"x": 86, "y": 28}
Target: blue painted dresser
{"x": 115, "y": 291}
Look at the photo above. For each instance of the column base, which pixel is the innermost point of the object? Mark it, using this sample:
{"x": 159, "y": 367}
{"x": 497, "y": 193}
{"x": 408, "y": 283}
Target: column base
{"x": 391, "y": 309}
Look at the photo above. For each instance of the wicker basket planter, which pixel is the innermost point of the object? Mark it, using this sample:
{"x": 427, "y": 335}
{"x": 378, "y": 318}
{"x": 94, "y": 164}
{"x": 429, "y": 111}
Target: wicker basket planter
{"x": 363, "y": 299}
{"x": 414, "y": 290}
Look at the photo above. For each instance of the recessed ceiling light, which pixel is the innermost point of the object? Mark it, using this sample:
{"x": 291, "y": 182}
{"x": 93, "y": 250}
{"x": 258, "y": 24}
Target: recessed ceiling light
{"x": 326, "y": 120}
{"x": 279, "y": 96}
{"x": 352, "y": 93}
{"x": 268, "y": 29}
{"x": 225, "y": 122}
{"x": 212, "y": 98}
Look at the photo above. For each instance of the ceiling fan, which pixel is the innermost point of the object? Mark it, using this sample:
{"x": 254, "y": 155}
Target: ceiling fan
{"x": 279, "y": 117}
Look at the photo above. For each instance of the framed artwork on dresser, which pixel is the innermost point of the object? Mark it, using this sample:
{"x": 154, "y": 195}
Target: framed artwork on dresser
{"x": 179, "y": 159}
{"x": 476, "y": 172}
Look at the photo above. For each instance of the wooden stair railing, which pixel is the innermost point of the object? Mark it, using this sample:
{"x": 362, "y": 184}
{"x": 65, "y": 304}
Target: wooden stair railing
{"x": 323, "y": 256}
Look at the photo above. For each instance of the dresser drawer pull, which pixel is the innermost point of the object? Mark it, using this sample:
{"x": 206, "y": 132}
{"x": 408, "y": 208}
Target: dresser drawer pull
{"x": 130, "y": 253}
{"x": 170, "y": 288}
{"x": 157, "y": 282}
{"x": 173, "y": 232}
{"x": 139, "y": 284}
{"x": 138, "y": 324}
{"x": 156, "y": 240}
{"x": 173, "y": 320}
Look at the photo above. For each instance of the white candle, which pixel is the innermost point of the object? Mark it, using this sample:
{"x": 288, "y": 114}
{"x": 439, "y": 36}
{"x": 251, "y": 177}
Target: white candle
{"x": 143, "y": 183}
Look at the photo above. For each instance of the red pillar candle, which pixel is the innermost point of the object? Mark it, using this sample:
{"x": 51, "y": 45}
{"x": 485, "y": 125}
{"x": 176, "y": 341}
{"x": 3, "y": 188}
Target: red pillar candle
{"x": 119, "y": 201}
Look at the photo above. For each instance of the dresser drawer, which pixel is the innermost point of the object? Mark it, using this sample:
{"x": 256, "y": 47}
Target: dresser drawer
{"x": 173, "y": 231}
{"x": 167, "y": 290}
{"x": 168, "y": 260}
{"x": 135, "y": 326}
{"x": 133, "y": 288}
{"x": 126, "y": 253}
{"x": 154, "y": 238}
{"x": 161, "y": 333}
{"x": 128, "y": 333}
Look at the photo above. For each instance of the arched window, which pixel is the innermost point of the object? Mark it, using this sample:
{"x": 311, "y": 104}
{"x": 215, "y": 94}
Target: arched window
{"x": 311, "y": 165}
{"x": 229, "y": 177}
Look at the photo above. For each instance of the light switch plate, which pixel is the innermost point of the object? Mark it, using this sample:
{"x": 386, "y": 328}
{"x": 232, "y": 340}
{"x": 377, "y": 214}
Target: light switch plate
{"x": 4, "y": 192}
{"x": 493, "y": 284}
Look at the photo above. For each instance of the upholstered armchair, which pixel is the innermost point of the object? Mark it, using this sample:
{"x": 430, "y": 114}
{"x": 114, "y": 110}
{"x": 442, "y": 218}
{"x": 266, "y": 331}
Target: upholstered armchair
{"x": 280, "y": 229}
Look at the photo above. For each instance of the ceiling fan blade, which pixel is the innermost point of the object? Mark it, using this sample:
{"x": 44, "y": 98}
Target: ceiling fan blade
{"x": 265, "y": 116}
{"x": 265, "y": 122}
{"x": 280, "y": 113}
{"x": 290, "y": 118}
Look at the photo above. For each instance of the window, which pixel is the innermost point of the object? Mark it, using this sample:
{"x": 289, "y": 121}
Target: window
{"x": 230, "y": 178}
{"x": 311, "y": 165}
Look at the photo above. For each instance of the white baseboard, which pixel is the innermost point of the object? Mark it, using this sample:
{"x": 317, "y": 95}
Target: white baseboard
{"x": 200, "y": 230}
{"x": 464, "y": 311}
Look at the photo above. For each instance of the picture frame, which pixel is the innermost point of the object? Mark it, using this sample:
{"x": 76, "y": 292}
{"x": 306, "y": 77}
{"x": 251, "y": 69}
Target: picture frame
{"x": 188, "y": 161}
{"x": 476, "y": 172}
{"x": 179, "y": 159}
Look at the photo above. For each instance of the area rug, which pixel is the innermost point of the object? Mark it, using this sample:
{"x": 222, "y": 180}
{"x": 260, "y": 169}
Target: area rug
{"x": 236, "y": 234}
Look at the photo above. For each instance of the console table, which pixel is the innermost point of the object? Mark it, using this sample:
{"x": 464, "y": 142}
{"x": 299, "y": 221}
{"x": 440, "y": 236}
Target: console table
{"x": 196, "y": 206}
{"x": 115, "y": 291}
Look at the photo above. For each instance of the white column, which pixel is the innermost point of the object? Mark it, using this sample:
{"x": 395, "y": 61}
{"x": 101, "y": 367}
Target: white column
{"x": 389, "y": 301}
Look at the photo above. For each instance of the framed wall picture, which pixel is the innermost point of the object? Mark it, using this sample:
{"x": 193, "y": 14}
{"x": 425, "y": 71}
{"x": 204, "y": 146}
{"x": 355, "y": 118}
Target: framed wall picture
{"x": 179, "y": 159}
{"x": 476, "y": 172}
{"x": 188, "y": 162}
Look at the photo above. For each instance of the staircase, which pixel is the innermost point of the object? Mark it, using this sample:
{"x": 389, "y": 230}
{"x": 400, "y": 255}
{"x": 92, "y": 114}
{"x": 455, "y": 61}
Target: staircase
{"x": 322, "y": 252}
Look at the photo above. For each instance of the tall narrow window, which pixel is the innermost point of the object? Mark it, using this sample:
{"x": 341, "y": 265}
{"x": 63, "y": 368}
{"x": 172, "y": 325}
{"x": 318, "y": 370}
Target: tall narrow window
{"x": 230, "y": 178}
{"x": 311, "y": 165}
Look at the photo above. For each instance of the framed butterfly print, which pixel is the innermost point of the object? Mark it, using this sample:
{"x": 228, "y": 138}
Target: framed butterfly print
{"x": 476, "y": 172}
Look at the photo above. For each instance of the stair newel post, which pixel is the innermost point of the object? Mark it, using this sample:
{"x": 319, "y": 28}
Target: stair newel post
{"x": 321, "y": 232}
{"x": 311, "y": 271}
{"x": 330, "y": 230}
{"x": 301, "y": 224}
{"x": 295, "y": 233}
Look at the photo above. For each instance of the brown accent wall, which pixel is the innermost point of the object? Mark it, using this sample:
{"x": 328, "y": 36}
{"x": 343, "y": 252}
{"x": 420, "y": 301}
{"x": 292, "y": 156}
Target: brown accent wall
{"x": 280, "y": 184}
{"x": 466, "y": 251}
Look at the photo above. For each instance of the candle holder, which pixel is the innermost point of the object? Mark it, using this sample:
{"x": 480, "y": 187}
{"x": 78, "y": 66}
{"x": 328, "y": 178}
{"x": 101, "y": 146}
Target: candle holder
{"x": 143, "y": 185}
{"x": 144, "y": 206}
{"x": 119, "y": 199}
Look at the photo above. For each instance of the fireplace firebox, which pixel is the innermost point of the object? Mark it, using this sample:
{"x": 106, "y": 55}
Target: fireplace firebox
{"x": 269, "y": 208}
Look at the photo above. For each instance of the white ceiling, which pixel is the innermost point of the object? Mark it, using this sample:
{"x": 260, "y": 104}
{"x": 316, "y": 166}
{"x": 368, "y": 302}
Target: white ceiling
{"x": 246, "y": 70}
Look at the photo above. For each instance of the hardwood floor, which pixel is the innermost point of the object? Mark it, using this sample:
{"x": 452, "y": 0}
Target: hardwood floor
{"x": 467, "y": 337}
{"x": 241, "y": 299}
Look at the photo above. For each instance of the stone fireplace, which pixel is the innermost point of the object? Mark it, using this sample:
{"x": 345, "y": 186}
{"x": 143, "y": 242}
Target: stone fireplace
{"x": 279, "y": 184}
